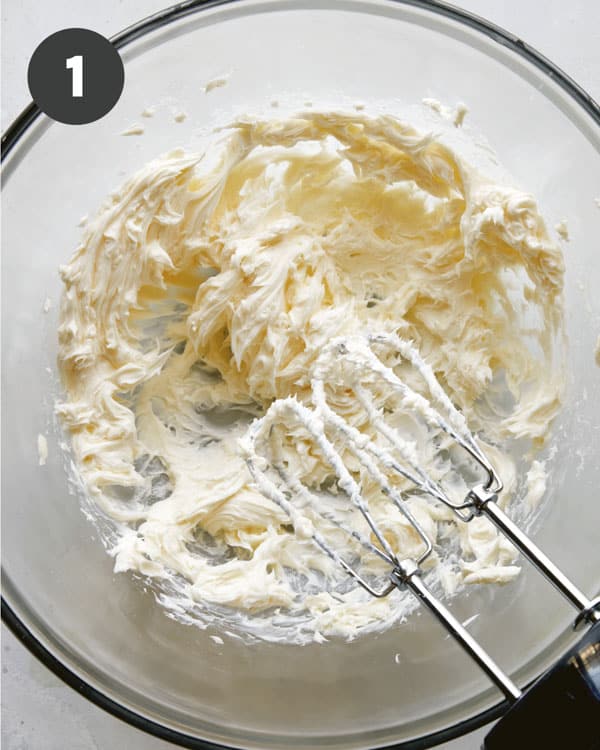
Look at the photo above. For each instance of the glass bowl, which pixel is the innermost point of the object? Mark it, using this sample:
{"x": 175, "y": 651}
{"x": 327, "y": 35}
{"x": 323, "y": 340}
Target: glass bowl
{"x": 410, "y": 686}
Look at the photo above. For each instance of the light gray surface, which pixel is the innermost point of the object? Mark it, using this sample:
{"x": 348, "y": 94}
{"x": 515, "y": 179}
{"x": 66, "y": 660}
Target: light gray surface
{"x": 38, "y": 711}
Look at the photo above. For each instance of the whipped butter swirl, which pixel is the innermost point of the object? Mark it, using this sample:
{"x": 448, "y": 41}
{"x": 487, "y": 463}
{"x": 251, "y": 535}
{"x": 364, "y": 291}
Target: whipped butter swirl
{"x": 207, "y": 287}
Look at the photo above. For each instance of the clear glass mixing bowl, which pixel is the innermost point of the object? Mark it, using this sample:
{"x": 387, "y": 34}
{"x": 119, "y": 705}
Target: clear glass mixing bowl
{"x": 104, "y": 633}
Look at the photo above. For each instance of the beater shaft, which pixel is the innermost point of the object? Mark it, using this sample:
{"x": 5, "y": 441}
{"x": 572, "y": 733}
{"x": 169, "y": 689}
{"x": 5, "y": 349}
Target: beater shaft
{"x": 408, "y": 576}
{"x": 587, "y": 608}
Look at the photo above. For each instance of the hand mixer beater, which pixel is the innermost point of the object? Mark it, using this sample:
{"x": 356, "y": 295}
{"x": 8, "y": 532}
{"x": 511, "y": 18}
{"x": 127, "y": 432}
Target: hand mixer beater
{"x": 384, "y": 454}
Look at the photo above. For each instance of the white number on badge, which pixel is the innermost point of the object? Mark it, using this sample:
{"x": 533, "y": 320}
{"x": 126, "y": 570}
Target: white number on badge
{"x": 76, "y": 65}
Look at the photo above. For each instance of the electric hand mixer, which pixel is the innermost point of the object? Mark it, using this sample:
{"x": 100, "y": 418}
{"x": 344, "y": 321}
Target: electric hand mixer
{"x": 564, "y": 704}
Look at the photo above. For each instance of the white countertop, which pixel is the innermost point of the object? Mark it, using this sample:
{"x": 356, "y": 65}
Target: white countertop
{"x": 39, "y": 712}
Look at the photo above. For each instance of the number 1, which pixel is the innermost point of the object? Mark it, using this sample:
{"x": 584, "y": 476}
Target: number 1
{"x": 76, "y": 65}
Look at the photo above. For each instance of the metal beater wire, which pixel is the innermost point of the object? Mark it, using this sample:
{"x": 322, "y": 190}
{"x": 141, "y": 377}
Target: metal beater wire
{"x": 360, "y": 360}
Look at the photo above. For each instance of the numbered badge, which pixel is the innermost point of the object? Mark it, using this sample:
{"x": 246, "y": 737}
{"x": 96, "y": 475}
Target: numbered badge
{"x": 76, "y": 76}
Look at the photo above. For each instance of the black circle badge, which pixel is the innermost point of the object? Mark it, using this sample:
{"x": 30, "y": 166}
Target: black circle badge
{"x": 76, "y": 76}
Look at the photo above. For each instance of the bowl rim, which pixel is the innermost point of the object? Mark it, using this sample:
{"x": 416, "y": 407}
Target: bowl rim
{"x": 10, "y": 138}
